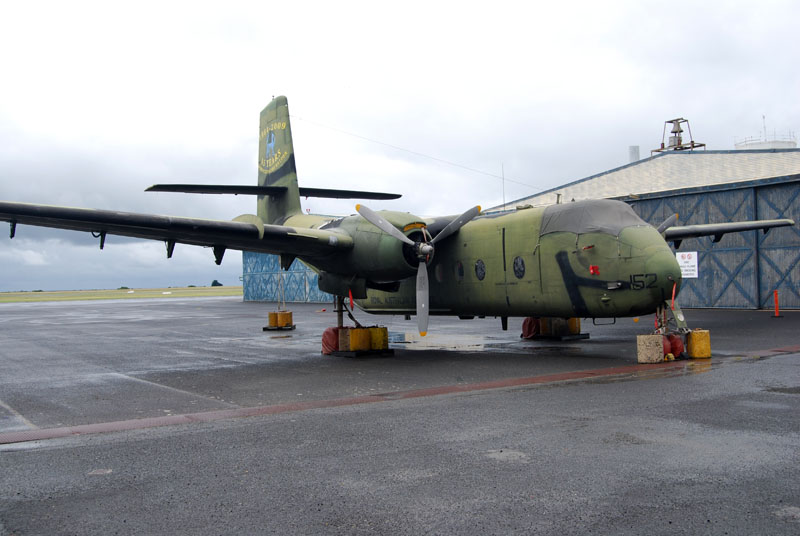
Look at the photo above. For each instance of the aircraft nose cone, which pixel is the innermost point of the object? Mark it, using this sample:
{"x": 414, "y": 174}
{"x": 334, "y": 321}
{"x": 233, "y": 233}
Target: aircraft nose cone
{"x": 665, "y": 265}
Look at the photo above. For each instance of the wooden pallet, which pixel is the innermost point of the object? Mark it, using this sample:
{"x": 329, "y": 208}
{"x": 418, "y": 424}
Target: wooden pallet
{"x": 279, "y": 328}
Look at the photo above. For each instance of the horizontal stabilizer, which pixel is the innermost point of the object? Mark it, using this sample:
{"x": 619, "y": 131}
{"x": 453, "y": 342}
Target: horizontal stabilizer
{"x": 218, "y": 189}
{"x": 268, "y": 190}
{"x": 345, "y": 194}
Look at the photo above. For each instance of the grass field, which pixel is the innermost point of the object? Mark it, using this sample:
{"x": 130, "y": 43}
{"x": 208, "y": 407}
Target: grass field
{"x": 119, "y": 294}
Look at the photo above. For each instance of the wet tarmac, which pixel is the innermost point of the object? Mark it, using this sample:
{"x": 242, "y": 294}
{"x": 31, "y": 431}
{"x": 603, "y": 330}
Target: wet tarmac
{"x": 182, "y": 416}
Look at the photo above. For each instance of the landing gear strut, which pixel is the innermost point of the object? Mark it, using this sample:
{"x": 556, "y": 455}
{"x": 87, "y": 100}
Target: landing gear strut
{"x": 663, "y": 318}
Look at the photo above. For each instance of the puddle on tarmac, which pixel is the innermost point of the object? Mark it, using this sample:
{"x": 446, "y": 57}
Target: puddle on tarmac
{"x": 466, "y": 342}
{"x": 438, "y": 341}
{"x": 690, "y": 367}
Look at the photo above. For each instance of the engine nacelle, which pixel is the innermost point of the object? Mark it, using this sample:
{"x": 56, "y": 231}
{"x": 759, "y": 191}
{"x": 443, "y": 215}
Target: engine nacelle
{"x": 376, "y": 256}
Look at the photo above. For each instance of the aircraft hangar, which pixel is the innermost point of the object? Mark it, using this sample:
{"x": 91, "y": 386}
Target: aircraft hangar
{"x": 740, "y": 270}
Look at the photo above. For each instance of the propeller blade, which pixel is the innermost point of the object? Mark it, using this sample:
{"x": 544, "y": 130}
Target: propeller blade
{"x": 372, "y": 217}
{"x": 456, "y": 224}
{"x": 669, "y": 222}
{"x": 422, "y": 298}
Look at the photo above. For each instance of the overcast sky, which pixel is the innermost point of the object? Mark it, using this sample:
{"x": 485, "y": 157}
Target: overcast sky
{"x": 100, "y": 100}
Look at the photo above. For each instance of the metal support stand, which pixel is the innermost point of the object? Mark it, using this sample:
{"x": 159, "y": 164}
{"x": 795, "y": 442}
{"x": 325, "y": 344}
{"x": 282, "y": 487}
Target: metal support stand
{"x": 282, "y": 318}
{"x": 339, "y": 311}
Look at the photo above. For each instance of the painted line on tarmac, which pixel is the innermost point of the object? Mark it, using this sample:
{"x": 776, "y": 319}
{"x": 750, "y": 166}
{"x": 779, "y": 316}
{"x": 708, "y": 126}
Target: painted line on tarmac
{"x": 238, "y": 413}
{"x": 17, "y": 414}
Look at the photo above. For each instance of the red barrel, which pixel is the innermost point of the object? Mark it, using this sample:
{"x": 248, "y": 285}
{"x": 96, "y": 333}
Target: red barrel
{"x": 676, "y": 343}
{"x": 330, "y": 341}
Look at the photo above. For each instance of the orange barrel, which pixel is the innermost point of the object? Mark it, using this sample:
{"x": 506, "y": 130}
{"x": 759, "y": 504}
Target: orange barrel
{"x": 544, "y": 325}
{"x": 359, "y": 339}
{"x": 574, "y": 325}
{"x": 698, "y": 344}
{"x": 273, "y": 320}
{"x": 378, "y": 338}
{"x": 284, "y": 319}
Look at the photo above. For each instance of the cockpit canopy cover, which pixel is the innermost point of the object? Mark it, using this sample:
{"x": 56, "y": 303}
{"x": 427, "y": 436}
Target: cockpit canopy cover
{"x": 592, "y": 216}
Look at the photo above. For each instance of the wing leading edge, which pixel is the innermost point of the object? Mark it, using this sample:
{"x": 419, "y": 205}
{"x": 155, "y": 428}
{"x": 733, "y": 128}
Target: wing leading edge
{"x": 246, "y": 233}
{"x": 677, "y": 234}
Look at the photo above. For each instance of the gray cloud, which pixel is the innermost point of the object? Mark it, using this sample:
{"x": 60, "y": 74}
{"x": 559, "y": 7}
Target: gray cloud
{"x": 91, "y": 113}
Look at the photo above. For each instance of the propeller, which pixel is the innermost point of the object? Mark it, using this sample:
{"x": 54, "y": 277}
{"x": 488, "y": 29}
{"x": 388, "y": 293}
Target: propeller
{"x": 424, "y": 251}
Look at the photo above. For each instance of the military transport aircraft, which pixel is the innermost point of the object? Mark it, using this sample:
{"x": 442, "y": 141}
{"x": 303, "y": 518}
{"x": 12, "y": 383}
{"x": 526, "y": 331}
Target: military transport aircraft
{"x": 589, "y": 259}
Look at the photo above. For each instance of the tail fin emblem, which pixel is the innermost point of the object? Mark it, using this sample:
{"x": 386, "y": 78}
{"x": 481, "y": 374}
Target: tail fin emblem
{"x": 270, "y": 148}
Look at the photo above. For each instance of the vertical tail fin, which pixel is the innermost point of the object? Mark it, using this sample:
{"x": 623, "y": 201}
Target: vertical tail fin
{"x": 276, "y": 165}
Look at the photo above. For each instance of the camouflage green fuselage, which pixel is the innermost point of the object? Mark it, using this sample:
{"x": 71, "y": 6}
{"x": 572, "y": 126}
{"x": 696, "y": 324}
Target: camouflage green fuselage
{"x": 511, "y": 264}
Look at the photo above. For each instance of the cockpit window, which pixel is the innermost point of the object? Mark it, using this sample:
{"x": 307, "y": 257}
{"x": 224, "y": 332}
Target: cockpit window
{"x": 593, "y": 216}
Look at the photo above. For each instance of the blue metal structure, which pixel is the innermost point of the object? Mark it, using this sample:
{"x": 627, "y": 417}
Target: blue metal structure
{"x": 262, "y": 278}
{"x": 743, "y": 269}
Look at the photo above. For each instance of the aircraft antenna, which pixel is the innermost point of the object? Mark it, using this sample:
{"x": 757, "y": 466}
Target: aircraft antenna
{"x": 416, "y": 153}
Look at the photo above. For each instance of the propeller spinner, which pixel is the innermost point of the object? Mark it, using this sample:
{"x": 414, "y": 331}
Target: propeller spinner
{"x": 424, "y": 251}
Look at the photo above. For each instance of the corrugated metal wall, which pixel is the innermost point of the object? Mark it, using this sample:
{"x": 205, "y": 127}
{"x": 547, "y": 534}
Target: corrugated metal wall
{"x": 743, "y": 269}
{"x": 262, "y": 277}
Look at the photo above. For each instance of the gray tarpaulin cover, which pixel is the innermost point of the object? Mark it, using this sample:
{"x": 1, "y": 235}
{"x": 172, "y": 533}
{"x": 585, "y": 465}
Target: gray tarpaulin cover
{"x": 592, "y": 216}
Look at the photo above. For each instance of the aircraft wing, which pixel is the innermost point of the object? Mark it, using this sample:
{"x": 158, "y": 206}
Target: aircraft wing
{"x": 717, "y": 230}
{"x": 246, "y": 233}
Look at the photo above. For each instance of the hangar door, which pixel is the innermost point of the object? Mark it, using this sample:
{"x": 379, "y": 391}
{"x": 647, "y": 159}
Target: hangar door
{"x": 743, "y": 269}
{"x": 779, "y": 250}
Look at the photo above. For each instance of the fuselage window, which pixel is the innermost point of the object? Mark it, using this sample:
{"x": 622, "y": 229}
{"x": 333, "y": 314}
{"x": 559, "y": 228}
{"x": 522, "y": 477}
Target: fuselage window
{"x": 519, "y": 267}
{"x": 480, "y": 270}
